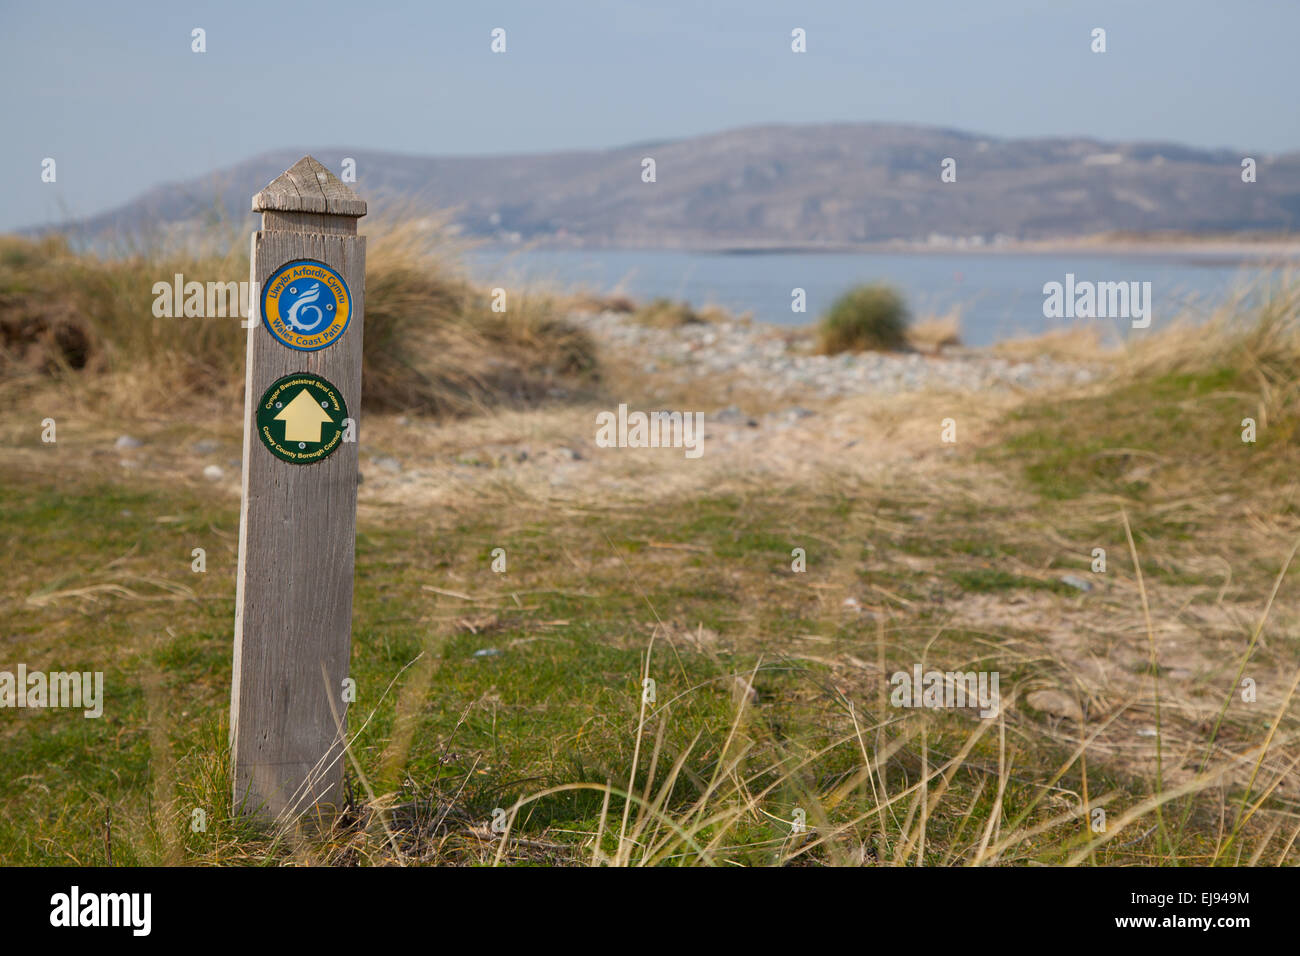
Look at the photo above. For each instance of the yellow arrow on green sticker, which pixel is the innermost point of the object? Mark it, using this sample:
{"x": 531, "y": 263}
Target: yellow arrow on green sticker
{"x": 303, "y": 418}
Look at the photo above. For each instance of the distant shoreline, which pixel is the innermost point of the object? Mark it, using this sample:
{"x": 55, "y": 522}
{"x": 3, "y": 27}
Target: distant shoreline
{"x": 1210, "y": 250}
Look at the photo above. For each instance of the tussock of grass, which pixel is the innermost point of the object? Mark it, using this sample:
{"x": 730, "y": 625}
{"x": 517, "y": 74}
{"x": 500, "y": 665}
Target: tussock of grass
{"x": 108, "y": 305}
{"x": 589, "y": 302}
{"x": 1076, "y": 343}
{"x": 666, "y": 314}
{"x": 1168, "y": 422}
{"x": 867, "y": 317}
{"x": 936, "y": 333}
{"x": 433, "y": 343}
{"x": 1257, "y": 334}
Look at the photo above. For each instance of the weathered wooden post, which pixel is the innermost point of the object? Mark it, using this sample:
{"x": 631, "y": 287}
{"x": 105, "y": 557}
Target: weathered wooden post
{"x": 297, "y": 525}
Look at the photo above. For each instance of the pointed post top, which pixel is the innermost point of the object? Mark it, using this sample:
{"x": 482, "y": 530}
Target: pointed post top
{"x": 307, "y": 186}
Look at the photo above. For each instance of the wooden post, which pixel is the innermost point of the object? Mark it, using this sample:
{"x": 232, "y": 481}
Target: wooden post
{"x": 297, "y": 524}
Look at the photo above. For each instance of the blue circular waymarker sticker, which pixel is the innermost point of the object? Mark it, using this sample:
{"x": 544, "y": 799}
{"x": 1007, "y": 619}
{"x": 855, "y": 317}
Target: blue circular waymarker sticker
{"x": 306, "y": 305}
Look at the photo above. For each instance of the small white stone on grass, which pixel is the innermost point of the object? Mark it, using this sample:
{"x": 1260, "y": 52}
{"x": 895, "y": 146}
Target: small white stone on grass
{"x": 1055, "y": 702}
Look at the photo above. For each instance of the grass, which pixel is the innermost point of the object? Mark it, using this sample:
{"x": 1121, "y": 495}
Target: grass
{"x": 936, "y": 333}
{"x": 551, "y": 729}
{"x": 559, "y": 707}
{"x": 866, "y": 317}
{"x": 435, "y": 344}
{"x": 770, "y": 739}
{"x": 664, "y": 313}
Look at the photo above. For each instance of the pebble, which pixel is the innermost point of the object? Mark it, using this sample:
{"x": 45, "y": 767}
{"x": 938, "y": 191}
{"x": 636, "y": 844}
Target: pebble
{"x": 761, "y": 354}
{"x": 127, "y": 441}
{"x": 744, "y": 691}
{"x": 1074, "y": 581}
{"x": 213, "y": 472}
{"x": 1055, "y": 702}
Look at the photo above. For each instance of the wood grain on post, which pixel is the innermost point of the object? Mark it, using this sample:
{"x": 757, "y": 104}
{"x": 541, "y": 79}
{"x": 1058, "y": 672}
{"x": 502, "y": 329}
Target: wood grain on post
{"x": 297, "y": 526}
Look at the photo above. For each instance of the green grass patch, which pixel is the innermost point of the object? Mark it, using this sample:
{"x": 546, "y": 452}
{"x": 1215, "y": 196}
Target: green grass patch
{"x": 529, "y": 682}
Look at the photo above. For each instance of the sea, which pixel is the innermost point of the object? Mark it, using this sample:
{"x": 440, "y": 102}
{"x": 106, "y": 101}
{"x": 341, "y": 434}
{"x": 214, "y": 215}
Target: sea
{"x": 998, "y": 294}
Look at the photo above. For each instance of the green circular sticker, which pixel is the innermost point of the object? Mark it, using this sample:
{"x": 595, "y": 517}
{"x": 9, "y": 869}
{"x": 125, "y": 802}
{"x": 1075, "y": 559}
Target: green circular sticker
{"x": 300, "y": 418}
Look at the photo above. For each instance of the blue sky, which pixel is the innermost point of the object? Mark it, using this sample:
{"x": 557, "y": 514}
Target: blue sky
{"x": 114, "y": 94}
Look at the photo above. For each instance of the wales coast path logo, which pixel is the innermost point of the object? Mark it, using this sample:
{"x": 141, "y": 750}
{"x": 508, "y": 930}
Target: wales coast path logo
{"x": 306, "y": 305}
{"x": 301, "y": 418}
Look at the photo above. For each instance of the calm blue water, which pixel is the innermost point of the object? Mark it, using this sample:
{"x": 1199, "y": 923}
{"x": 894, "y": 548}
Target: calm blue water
{"x": 1000, "y": 293}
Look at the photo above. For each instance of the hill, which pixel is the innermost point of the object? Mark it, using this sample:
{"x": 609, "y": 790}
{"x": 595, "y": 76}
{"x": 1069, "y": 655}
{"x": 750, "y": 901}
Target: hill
{"x": 787, "y": 186}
